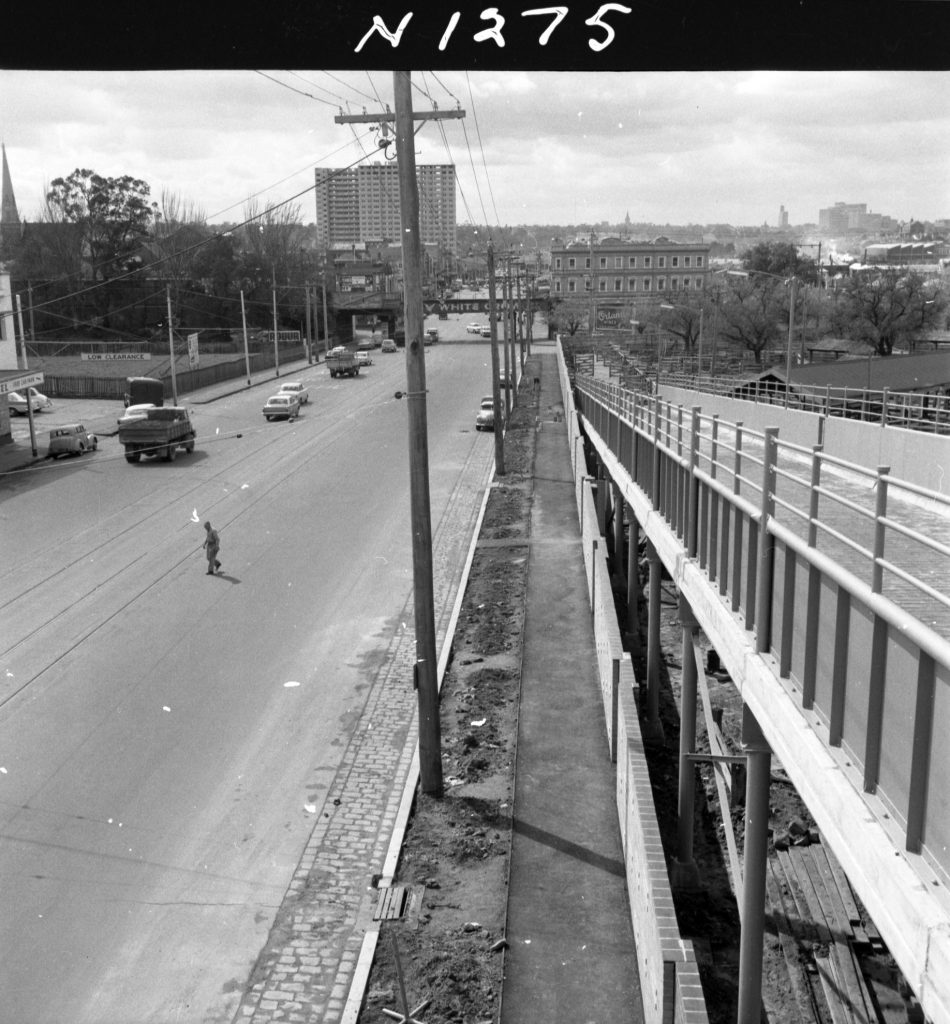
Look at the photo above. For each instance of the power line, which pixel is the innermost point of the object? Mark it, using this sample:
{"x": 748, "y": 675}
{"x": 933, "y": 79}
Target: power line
{"x": 197, "y": 245}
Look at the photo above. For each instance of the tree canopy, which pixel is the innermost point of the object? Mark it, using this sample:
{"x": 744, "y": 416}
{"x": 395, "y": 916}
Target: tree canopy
{"x": 886, "y": 310}
{"x": 781, "y": 259}
{"x": 113, "y": 216}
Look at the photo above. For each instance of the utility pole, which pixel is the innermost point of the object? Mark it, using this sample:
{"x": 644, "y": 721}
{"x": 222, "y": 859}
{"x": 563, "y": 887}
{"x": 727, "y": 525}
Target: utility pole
{"x": 171, "y": 344}
{"x": 426, "y": 667}
{"x": 247, "y": 358}
{"x": 274, "y": 294}
{"x": 306, "y": 299}
{"x": 493, "y": 341}
{"x": 506, "y": 297}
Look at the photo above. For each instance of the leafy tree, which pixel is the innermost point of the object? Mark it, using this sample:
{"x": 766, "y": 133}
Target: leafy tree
{"x": 886, "y": 310}
{"x": 781, "y": 259}
{"x": 216, "y": 266}
{"x": 113, "y": 215}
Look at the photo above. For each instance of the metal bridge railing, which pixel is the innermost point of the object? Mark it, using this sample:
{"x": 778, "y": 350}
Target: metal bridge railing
{"x": 841, "y": 572}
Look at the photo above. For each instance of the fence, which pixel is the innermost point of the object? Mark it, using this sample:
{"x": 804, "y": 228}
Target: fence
{"x": 61, "y": 386}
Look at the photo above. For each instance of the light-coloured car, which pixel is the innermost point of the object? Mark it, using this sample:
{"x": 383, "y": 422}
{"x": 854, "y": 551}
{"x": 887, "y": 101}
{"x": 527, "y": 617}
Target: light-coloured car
{"x": 337, "y": 350}
{"x": 295, "y": 387}
{"x": 473, "y": 328}
{"x": 431, "y": 336}
{"x": 281, "y": 407}
{"x": 37, "y": 400}
{"x": 485, "y": 420}
{"x": 364, "y": 358}
{"x": 135, "y": 412}
{"x": 485, "y": 332}
{"x": 71, "y": 439}
{"x": 389, "y": 345}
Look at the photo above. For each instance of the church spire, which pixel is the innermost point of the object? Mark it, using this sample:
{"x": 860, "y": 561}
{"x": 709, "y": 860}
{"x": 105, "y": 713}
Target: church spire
{"x": 9, "y": 217}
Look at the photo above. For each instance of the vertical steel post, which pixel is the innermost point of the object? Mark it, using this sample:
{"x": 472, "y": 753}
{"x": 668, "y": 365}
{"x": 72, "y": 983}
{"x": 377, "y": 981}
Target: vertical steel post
{"x": 755, "y": 864}
{"x": 685, "y": 872}
{"x": 766, "y": 552}
{"x": 654, "y": 652}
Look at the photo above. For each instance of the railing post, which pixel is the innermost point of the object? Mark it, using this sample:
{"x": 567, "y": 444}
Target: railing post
{"x": 656, "y": 455}
{"x": 918, "y": 789}
{"x": 712, "y": 559}
{"x": 813, "y": 603}
{"x": 737, "y": 523}
{"x": 692, "y": 505}
{"x": 766, "y": 552}
{"x": 875, "y": 719}
{"x": 880, "y": 529}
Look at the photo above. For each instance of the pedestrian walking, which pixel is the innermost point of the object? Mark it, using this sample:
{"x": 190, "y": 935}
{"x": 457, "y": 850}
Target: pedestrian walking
{"x": 212, "y": 545}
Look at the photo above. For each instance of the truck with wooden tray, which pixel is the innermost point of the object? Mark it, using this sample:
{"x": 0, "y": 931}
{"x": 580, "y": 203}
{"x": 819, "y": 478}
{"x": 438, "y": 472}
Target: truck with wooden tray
{"x": 162, "y": 432}
{"x": 342, "y": 363}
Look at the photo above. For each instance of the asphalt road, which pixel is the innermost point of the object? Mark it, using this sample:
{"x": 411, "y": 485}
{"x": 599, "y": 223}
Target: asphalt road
{"x": 162, "y": 731}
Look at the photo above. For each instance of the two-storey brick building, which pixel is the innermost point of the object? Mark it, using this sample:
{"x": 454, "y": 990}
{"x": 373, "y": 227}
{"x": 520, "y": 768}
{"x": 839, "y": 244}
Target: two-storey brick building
{"x": 627, "y": 273}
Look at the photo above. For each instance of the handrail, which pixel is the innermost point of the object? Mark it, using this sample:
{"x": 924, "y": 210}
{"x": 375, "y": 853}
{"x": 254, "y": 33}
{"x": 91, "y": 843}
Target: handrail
{"x": 670, "y": 430}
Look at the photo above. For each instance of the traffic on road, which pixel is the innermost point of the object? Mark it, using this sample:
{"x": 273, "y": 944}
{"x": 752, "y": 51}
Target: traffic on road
{"x": 170, "y": 737}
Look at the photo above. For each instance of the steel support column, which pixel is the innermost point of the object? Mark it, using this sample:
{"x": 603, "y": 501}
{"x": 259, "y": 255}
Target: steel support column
{"x": 755, "y": 864}
{"x": 684, "y": 873}
{"x": 653, "y": 728}
{"x": 633, "y": 587}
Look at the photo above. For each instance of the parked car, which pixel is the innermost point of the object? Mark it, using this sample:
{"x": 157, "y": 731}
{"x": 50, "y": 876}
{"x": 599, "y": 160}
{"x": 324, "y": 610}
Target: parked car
{"x": 485, "y": 332}
{"x": 295, "y": 387}
{"x": 473, "y": 328}
{"x": 431, "y": 336}
{"x": 364, "y": 359}
{"x": 18, "y": 401}
{"x": 72, "y": 439}
{"x": 281, "y": 407}
{"x": 389, "y": 345}
{"x": 136, "y": 412}
{"x": 485, "y": 420}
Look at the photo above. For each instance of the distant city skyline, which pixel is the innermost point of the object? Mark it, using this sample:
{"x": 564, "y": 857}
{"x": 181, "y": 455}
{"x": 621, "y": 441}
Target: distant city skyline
{"x": 534, "y": 147}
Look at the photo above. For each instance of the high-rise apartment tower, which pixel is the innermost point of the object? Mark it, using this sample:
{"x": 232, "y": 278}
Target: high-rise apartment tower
{"x": 356, "y": 204}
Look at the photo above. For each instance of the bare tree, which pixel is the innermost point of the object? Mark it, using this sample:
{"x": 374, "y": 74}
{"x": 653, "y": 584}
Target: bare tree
{"x": 886, "y": 309}
{"x": 751, "y": 313}
{"x": 179, "y": 225}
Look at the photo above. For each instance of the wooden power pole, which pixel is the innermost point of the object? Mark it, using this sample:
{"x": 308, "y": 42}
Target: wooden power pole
{"x": 426, "y": 667}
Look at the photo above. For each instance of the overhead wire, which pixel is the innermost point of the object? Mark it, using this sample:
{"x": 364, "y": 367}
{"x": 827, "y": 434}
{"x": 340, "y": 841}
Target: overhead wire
{"x": 196, "y": 245}
{"x": 481, "y": 149}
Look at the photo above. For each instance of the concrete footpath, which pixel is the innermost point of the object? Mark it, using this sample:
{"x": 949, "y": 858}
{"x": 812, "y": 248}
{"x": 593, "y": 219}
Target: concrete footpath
{"x": 572, "y": 956}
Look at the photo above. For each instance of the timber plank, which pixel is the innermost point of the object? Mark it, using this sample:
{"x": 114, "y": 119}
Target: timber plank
{"x": 804, "y": 994}
{"x": 819, "y": 946}
{"x": 864, "y": 929}
{"x": 847, "y": 985}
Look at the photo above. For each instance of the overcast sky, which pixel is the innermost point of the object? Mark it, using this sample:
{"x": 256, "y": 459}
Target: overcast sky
{"x": 534, "y": 147}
